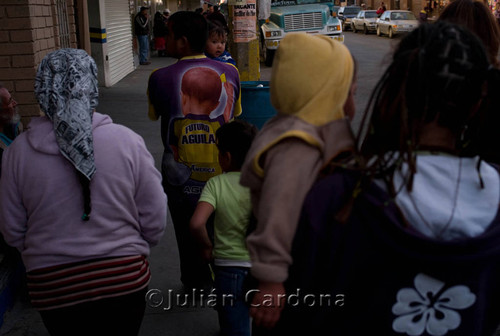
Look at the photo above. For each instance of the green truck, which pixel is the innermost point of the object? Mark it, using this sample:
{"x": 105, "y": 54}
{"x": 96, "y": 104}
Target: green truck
{"x": 309, "y": 16}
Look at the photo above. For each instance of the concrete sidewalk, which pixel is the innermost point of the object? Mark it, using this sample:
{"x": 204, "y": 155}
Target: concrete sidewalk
{"x": 126, "y": 103}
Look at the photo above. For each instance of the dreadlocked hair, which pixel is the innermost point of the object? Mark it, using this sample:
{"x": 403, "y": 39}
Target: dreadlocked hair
{"x": 437, "y": 75}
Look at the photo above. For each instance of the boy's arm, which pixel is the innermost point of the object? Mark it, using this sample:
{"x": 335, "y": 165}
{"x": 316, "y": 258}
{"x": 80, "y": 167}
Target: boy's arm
{"x": 150, "y": 92}
{"x": 198, "y": 228}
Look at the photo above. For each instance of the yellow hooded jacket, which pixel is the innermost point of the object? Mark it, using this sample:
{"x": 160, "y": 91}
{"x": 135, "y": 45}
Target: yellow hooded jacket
{"x": 310, "y": 82}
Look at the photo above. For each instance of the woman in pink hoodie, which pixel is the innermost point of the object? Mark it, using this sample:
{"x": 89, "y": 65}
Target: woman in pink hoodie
{"x": 83, "y": 203}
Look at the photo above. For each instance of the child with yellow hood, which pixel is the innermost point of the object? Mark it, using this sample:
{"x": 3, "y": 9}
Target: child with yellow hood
{"x": 312, "y": 89}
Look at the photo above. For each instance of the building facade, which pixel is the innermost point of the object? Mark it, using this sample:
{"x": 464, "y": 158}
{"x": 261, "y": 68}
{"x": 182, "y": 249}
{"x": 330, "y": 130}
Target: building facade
{"x": 29, "y": 29}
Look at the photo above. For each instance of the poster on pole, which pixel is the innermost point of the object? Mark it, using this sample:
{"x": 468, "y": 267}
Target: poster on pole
{"x": 245, "y": 21}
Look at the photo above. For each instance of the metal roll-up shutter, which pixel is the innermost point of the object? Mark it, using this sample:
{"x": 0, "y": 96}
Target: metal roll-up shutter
{"x": 119, "y": 39}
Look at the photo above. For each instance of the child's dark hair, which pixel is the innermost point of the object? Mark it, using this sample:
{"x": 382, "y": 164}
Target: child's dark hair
{"x": 236, "y": 137}
{"x": 440, "y": 73}
{"x": 215, "y": 28}
{"x": 191, "y": 25}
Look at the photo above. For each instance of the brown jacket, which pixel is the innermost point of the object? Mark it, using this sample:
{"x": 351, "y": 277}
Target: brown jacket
{"x": 280, "y": 168}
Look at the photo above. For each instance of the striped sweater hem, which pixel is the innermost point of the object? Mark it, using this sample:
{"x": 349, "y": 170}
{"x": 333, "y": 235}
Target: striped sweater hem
{"x": 70, "y": 284}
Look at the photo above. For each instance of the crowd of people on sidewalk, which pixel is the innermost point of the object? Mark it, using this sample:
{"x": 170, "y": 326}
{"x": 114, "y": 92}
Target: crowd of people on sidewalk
{"x": 299, "y": 227}
{"x": 218, "y": 33}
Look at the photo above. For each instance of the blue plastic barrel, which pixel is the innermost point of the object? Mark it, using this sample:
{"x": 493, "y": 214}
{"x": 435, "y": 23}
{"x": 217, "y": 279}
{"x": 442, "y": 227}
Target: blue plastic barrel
{"x": 255, "y": 103}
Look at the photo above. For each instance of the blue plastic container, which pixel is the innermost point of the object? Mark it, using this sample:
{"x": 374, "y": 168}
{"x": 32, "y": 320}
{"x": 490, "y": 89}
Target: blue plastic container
{"x": 255, "y": 103}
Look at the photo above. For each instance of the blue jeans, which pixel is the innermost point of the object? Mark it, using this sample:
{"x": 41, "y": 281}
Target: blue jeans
{"x": 143, "y": 47}
{"x": 234, "y": 318}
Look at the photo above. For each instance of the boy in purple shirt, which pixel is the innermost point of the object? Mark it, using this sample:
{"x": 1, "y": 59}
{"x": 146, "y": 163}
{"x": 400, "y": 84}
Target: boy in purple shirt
{"x": 183, "y": 180}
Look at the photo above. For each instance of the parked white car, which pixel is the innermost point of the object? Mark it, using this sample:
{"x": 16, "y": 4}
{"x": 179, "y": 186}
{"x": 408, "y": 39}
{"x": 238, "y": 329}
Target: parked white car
{"x": 394, "y": 22}
{"x": 365, "y": 21}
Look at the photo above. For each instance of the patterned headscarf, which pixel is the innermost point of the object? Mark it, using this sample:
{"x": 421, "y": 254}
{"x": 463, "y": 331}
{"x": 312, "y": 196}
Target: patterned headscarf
{"x": 67, "y": 91}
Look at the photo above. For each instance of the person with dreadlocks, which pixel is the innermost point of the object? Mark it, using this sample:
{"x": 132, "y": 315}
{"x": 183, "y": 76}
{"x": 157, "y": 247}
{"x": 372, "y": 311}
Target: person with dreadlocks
{"x": 406, "y": 238}
{"x": 83, "y": 203}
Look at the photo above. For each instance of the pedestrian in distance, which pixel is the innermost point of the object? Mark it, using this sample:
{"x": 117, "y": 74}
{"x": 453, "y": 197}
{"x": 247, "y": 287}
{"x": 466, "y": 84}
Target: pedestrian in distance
{"x": 405, "y": 240}
{"x": 85, "y": 231}
{"x": 190, "y": 156}
{"x": 141, "y": 27}
{"x": 496, "y": 12}
{"x": 10, "y": 128}
{"x": 422, "y": 16}
{"x": 166, "y": 14}
{"x": 381, "y": 9}
{"x": 477, "y": 17}
{"x": 215, "y": 15}
{"x": 310, "y": 129}
{"x": 210, "y": 10}
{"x": 10, "y": 125}
{"x": 230, "y": 201}
{"x": 159, "y": 33}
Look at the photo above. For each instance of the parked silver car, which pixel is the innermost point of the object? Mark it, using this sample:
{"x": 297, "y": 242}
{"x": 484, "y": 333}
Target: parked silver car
{"x": 345, "y": 15}
{"x": 393, "y": 22}
{"x": 365, "y": 21}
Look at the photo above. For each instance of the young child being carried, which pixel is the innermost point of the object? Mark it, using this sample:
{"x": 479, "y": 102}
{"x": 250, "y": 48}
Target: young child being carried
{"x": 312, "y": 89}
{"x": 230, "y": 201}
{"x": 216, "y": 43}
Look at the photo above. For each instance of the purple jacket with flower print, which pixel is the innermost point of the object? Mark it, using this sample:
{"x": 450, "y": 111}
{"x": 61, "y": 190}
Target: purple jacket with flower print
{"x": 382, "y": 277}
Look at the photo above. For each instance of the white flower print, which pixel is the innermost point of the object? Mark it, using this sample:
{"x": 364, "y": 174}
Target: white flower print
{"x": 427, "y": 308}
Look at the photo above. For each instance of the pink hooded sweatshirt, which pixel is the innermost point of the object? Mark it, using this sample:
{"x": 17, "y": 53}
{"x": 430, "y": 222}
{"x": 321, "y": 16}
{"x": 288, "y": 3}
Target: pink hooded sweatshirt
{"x": 41, "y": 197}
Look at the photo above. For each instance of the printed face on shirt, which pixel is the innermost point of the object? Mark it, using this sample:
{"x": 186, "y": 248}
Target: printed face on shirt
{"x": 215, "y": 45}
{"x": 200, "y": 91}
{"x": 8, "y": 105}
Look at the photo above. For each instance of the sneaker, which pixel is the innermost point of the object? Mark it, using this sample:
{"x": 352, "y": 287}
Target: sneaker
{"x": 145, "y": 63}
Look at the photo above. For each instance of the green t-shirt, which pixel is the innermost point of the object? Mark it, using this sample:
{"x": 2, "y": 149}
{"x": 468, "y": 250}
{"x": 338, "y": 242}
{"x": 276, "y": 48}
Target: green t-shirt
{"x": 232, "y": 205}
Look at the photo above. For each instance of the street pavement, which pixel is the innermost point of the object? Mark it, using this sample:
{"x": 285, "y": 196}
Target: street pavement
{"x": 126, "y": 103}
